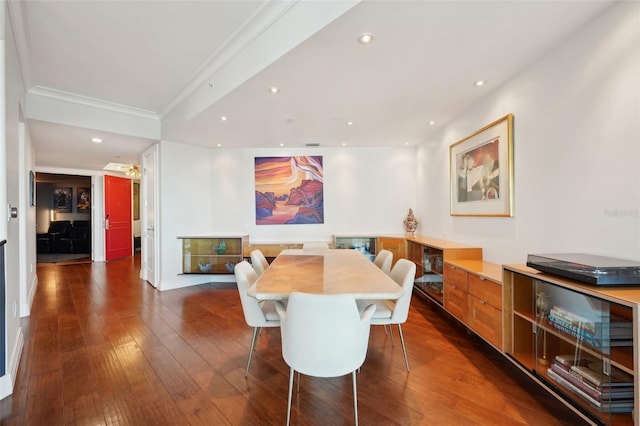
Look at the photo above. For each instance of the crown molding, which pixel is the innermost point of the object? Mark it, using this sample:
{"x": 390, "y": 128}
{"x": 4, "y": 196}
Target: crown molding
{"x": 257, "y": 24}
{"x": 20, "y": 31}
{"x": 59, "y": 95}
{"x": 275, "y": 29}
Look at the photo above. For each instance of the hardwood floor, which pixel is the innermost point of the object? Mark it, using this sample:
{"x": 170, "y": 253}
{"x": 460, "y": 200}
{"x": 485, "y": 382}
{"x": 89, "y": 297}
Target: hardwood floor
{"x": 102, "y": 347}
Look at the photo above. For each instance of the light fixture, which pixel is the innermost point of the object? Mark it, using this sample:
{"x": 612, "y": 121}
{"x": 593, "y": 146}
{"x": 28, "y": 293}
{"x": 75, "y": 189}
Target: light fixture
{"x": 96, "y": 140}
{"x": 219, "y": 145}
{"x": 281, "y": 144}
{"x": 478, "y": 83}
{"x": 432, "y": 122}
{"x": 134, "y": 171}
{"x": 344, "y": 144}
{"x": 223, "y": 118}
{"x": 365, "y": 38}
{"x": 274, "y": 89}
{"x": 349, "y": 123}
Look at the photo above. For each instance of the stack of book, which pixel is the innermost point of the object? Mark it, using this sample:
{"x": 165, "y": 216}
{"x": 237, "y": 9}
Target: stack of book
{"x": 614, "y": 332}
{"x": 584, "y": 377}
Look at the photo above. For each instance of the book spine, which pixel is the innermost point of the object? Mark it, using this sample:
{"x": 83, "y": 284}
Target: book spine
{"x": 620, "y": 406}
{"x": 568, "y": 329}
{"x": 576, "y": 390}
{"x": 575, "y": 319}
{"x": 592, "y": 392}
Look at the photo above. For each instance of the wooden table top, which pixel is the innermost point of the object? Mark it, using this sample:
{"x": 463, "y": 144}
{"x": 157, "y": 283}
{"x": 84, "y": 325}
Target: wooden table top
{"x": 324, "y": 272}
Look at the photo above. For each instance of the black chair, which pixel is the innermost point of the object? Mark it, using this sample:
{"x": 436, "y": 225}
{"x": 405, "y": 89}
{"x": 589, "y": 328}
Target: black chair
{"x": 47, "y": 242}
{"x": 78, "y": 240}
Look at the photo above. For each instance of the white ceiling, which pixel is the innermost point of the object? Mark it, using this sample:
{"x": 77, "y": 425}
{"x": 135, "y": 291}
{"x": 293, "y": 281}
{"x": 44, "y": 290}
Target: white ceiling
{"x": 134, "y": 72}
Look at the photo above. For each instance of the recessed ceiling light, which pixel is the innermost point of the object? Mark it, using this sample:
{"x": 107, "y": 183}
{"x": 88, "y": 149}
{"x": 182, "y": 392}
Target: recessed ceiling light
{"x": 281, "y": 144}
{"x": 219, "y": 145}
{"x": 223, "y": 118}
{"x": 478, "y": 83}
{"x": 406, "y": 143}
{"x": 349, "y": 123}
{"x": 365, "y": 38}
{"x": 432, "y": 122}
{"x": 96, "y": 140}
{"x": 274, "y": 89}
{"x": 344, "y": 144}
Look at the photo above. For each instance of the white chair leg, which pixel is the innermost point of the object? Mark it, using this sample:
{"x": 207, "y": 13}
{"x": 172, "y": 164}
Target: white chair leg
{"x": 251, "y": 349}
{"x": 404, "y": 349}
{"x": 355, "y": 396}
{"x": 289, "y": 400}
{"x": 393, "y": 343}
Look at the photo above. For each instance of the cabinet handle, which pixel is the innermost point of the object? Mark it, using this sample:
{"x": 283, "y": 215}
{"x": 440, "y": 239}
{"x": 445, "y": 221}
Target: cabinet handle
{"x": 453, "y": 286}
{"x": 482, "y": 302}
{"x": 482, "y": 278}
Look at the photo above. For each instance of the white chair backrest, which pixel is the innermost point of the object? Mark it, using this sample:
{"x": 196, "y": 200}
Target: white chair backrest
{"x": 259, "y": 262}
{"x": 315, "y": 245}
{"x": 383, "y": 260}
{"x": 403, "y": 273}
{"x": 245, "y": 277}
{"x": 324, "y": 335}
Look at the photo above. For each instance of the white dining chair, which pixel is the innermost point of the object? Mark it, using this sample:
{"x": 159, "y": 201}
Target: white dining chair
{"x": 258, "y": 261}
{"x": 324, "y": 335}
{"x": 383, "y": 260}
{"x": 389, "y": 312}
{"x": 256, "y": 314}
{"x": 315, "y": 245}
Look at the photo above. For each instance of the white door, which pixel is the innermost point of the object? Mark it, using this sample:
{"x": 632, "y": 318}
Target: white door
{"x": 148, "y": 215}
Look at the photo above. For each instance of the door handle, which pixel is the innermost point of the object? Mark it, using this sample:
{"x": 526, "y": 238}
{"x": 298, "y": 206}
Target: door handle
{"x": 106, "y": 222}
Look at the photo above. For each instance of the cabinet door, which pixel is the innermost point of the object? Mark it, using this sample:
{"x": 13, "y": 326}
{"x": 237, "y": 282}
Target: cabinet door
{"x": 485, "y": 309}
{"x": 394, "y": 245}
{"x": 485, "y": 320}
{"x": 455, "y": 301}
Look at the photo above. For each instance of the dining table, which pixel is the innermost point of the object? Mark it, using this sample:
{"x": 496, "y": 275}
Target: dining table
{"x": 327, "y": 271}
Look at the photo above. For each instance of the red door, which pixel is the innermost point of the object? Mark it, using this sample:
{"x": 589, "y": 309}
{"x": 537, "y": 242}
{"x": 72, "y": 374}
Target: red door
{"x": 117, "y": 210}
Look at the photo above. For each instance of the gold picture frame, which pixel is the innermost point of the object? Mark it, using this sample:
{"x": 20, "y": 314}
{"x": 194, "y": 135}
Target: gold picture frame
{"x": 481, "y": 170}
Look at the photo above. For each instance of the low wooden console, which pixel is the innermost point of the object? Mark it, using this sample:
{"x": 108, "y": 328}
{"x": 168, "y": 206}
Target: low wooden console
{"x": 454, "y": 276}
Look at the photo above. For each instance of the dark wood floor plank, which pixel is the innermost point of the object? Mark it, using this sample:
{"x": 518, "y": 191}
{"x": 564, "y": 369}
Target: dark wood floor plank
{"x": 104, "y": 347}
{"x": 84, "y": 410}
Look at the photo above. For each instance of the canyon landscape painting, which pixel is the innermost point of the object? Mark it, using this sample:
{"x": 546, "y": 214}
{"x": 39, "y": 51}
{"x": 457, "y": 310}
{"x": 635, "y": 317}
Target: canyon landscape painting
{"x": 289, "y": 190}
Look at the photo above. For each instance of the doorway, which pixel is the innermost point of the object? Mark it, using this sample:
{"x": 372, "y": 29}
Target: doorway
{"x": 64, "y": 225}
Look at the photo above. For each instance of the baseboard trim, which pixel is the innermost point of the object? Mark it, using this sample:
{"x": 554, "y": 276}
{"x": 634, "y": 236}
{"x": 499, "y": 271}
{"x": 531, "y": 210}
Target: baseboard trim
{"x": 8, "y": 380}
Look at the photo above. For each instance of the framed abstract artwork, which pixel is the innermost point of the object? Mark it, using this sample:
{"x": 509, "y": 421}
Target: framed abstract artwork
{"x": 481, "y": 168}
{"x": 289, "y": 190}
{"x": 83, "y": 200}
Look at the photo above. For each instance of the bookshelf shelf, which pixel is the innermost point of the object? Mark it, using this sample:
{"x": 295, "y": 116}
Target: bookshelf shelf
{"x": 216, "y": 254}
{"x": 576, "y": 340}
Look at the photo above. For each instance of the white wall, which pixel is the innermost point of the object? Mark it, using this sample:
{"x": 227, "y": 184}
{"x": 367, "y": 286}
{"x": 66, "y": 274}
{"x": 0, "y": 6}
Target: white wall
{"x": 577, "y": 149}
{"x": 205, "y": 191}
{"x": 28, "y": 226}
{"x": 14, "y": 170}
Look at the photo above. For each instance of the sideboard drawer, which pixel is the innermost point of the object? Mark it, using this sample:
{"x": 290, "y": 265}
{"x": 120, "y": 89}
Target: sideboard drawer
{"x": 455, "y": 276}
{"x": 486, "y": 290}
